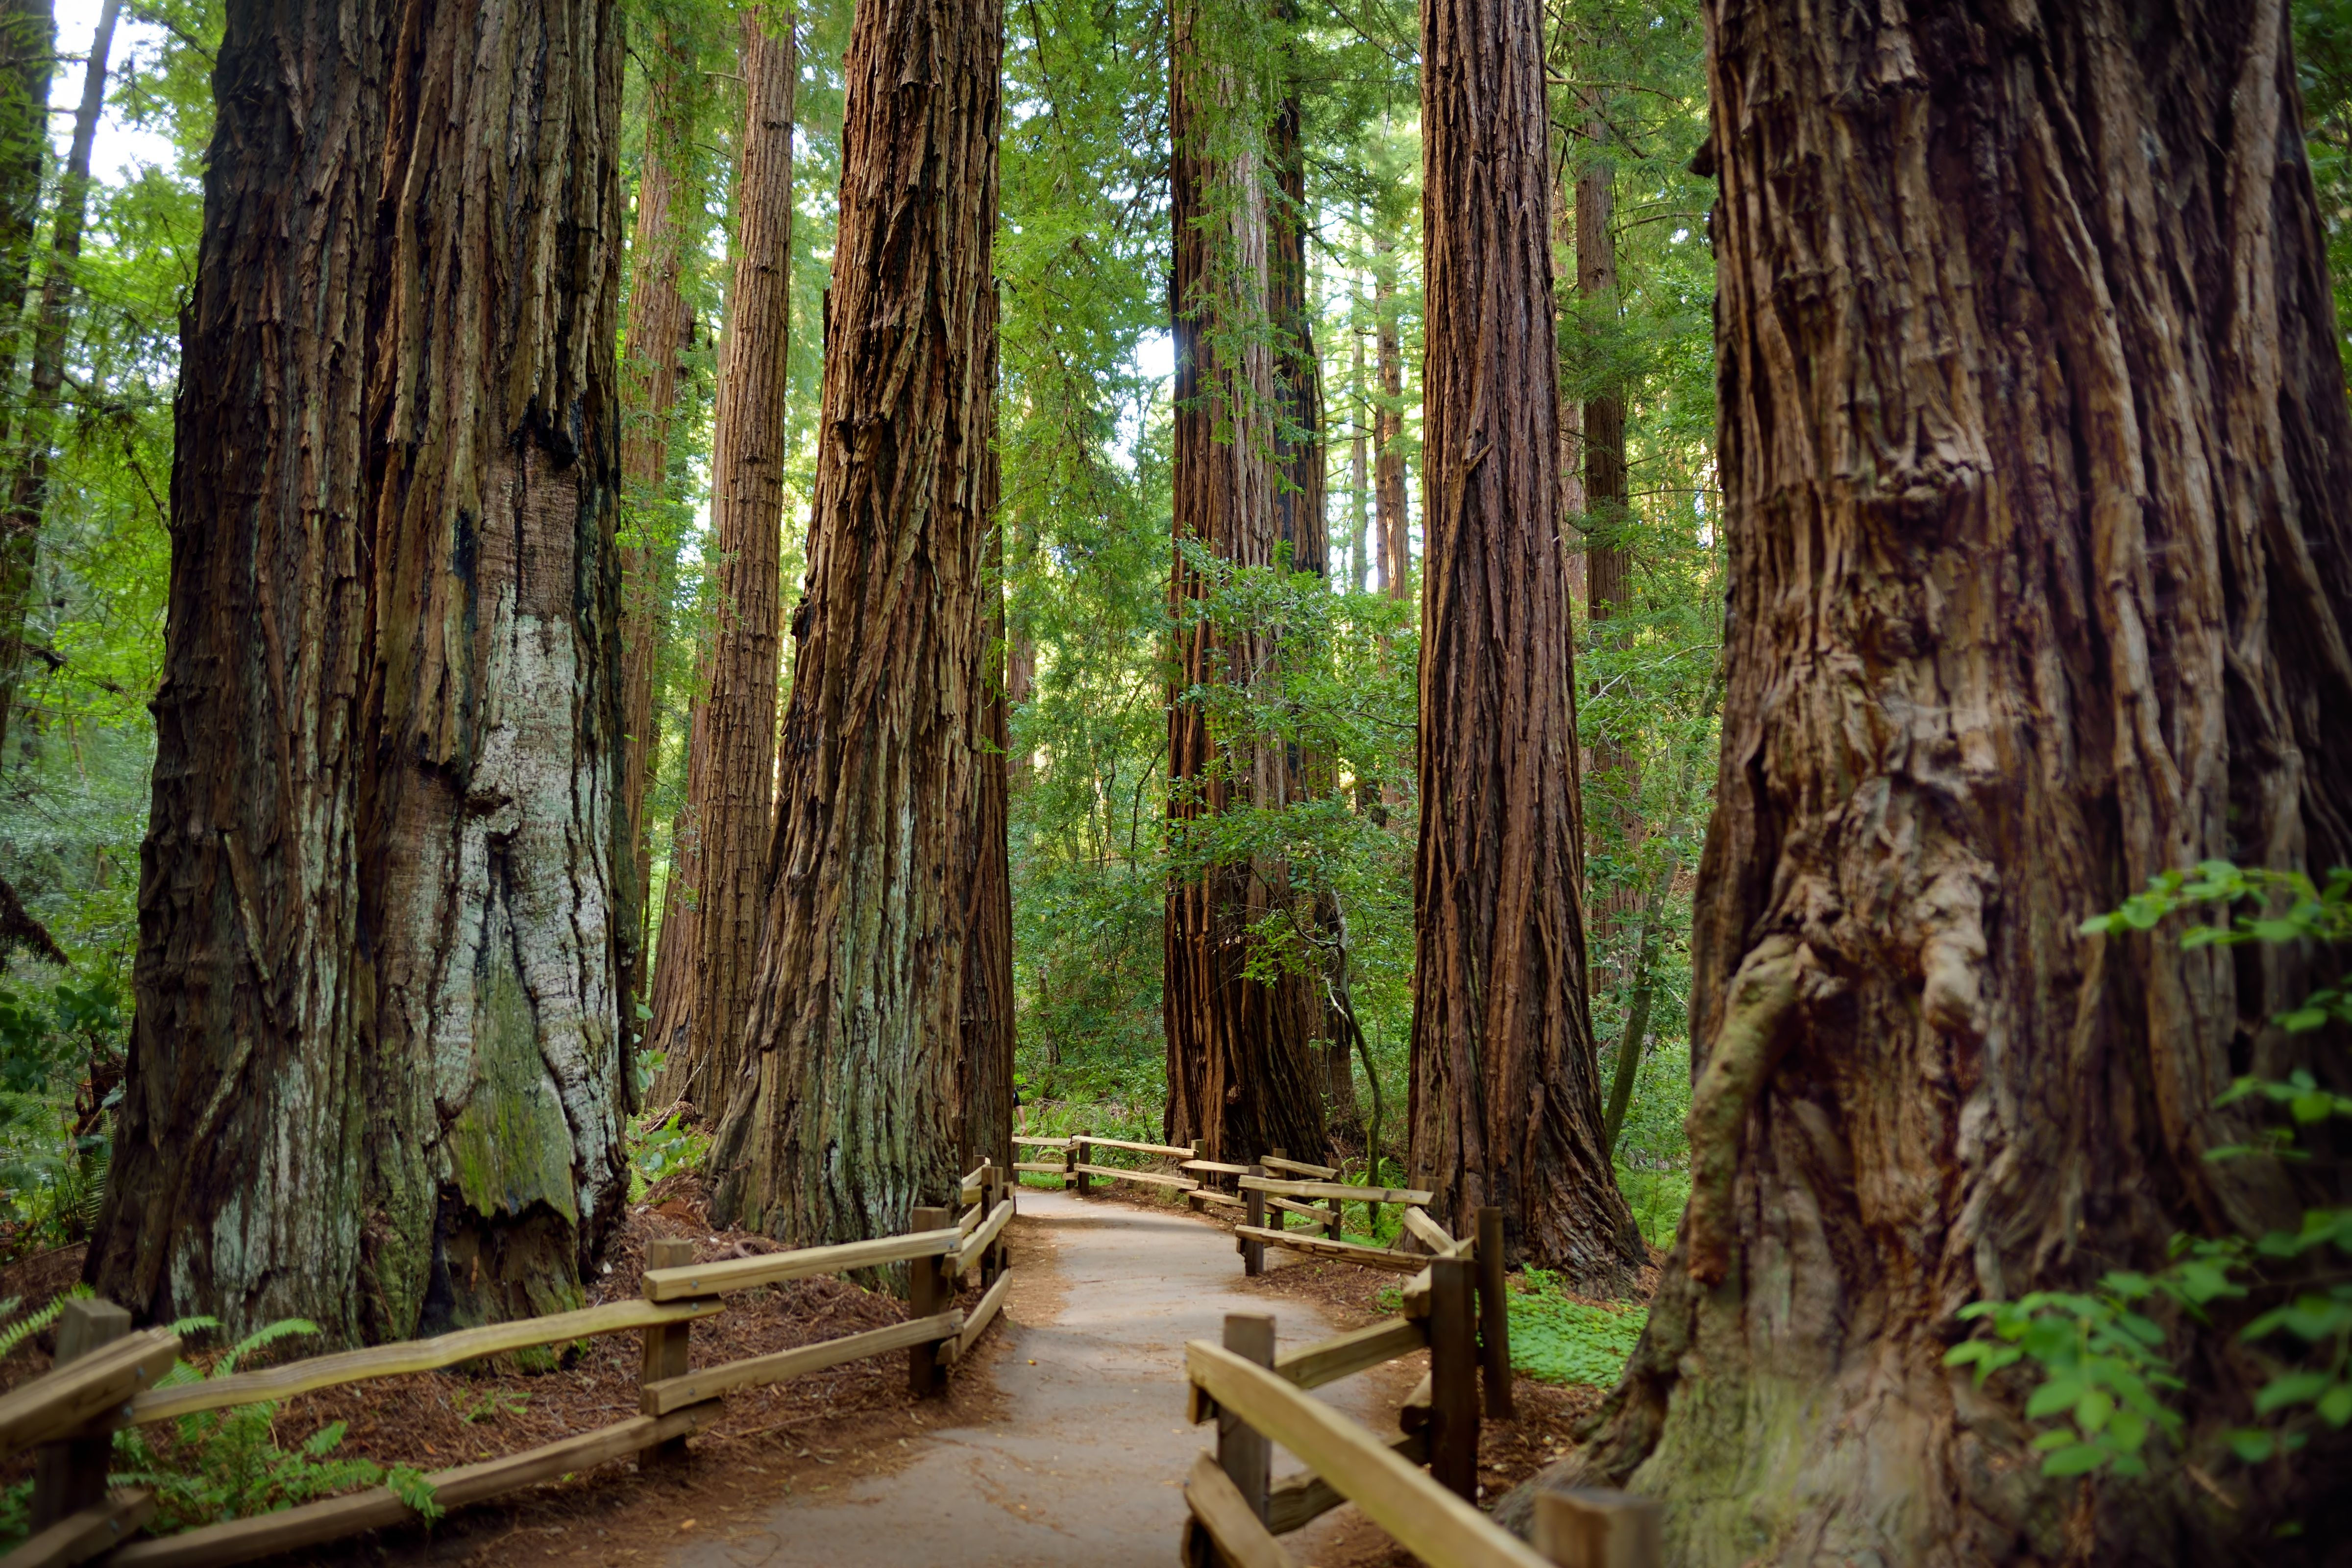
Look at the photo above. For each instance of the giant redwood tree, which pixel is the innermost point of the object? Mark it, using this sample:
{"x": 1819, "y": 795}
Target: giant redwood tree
{"x": 1243, "y": 1075}
{"x": 1505, "y": 1105}
{"x": 2034, "y": 449}
{"x": 851, "y": 1119}
{"x": 716, "y": 896}
{"x": 375, "y": 1076}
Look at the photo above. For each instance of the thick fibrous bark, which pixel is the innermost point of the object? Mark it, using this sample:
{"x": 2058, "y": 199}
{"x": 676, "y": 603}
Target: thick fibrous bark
{"x": 659, "y": 323}
{"x": 375, "y": 1074}
{"x": 28, "y": 484}
{"x": 1505, "y": 1102}
{"x": 984, "y": 1059}
{"x": 2034, "y": 450}
{"x": 711, "y": 932}
{"x": 855, "y": 1016}
{"x": 1241, "y": 1072}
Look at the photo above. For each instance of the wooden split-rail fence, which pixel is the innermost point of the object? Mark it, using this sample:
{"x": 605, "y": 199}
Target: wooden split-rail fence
{"x": 1453, "y": 1308}
{"x": 108, "y": 1377}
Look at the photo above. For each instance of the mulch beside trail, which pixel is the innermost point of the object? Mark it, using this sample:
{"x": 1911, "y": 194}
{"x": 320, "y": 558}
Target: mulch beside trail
{"x": 808, "y": 1433}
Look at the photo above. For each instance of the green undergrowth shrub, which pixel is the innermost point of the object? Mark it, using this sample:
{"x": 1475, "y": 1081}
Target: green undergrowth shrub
{"x": 219, "y": 1464}
{"x": 1657, "y": 1199}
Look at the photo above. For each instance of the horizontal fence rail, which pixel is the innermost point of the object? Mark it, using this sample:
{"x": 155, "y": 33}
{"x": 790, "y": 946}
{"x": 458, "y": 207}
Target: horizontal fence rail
{"x": 107, "y": 1377}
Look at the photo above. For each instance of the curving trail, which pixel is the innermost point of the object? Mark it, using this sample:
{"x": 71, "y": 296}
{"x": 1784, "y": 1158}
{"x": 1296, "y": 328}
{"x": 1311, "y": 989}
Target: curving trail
{"x": 1084, "y": 1455}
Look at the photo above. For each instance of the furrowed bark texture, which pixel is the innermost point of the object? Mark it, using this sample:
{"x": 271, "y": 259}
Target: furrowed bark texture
{"x": 1241, "y": 1076}
{"x": 718, "y": 861}
{"x": 28, "y": 484}
{"x": 2034, "y": 450}
{"x": 658, "y": 325}
{"x": 1506, "y": 1099}
{"x": 856, "y": 1014}
{"x": 375, "y": 1072}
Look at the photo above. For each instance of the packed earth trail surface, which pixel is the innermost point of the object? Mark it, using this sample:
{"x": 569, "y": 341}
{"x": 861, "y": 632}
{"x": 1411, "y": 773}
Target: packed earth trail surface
{"x": 1084, "y": 1455}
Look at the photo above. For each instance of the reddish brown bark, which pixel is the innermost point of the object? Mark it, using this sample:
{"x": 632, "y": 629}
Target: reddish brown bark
{"x": 376, "y": 1073}
{"x": 857, "y": 1015}
{"x": 1506, "y": 1104}
{"x": 2041, "y": 581}
{"x": 658, "y": 325}
{"x": 718, "y": 857}
{"x": 1241, "y": 1076}
{"x": 1388, "y": 427}
{"x": 985, "y": 1031}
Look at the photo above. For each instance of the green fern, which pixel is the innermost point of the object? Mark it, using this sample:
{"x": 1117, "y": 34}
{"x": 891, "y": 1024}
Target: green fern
{"x": 17, "y": 1334}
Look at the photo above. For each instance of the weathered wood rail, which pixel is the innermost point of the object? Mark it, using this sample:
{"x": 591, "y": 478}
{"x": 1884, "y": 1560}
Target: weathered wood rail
{"x": 1259, "y": 1399}
{"x": 107, "y": 1378}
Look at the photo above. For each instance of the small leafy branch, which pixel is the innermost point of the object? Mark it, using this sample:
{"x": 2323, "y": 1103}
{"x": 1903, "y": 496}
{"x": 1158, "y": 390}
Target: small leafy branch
{"x": 2102, "y": 1360}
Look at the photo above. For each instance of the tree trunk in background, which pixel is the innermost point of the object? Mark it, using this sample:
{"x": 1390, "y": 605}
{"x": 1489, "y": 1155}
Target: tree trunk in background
{"x": 856, "y": 1018}
{"x": 27, "y": 55}
{"x": 718, "y": 861}
{"x": 1610, "y": 777}
{"x": 1241, "y": 1076}
{"x": 2041, "y": 582}
{"x": 1505, "y": 1099}
{"x": 1388, "y": 427}
{"x": 1571, "y": 411}
{"x": 658, "y": 323}
{"x": 28, "y": 485}
{"x": 1020, "y": 647}
{"x": 1359, "y": 467}
{"x": 986, "y": 1035}
{"x": 376, "y": 1073}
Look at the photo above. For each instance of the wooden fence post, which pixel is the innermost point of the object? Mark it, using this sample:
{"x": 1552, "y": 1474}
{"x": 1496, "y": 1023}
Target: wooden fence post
{"x": 1331, "y": 1227}
{"x": 1281, "y": 1219}
{"x": 70, "y": 1476}
{"x": 1253, "y": 1251}
{"x": 1581, "y": 1527}
{"x": 666, "y": 1350}
{"x": 1453, "y": 1379}
{"x": 1493, "y": 1316}
{"x": 928, "y": 1291}
{"x": 994, "y": 1192}
{"x": 1069, "y": 1164}
{"x": 1084, "y": 1156}
{"x": 1244, "y": 1453}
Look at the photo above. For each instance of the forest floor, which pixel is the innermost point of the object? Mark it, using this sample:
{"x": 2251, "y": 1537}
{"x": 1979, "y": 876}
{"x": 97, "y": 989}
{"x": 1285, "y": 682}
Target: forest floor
{"x": 1060, "y": 1439}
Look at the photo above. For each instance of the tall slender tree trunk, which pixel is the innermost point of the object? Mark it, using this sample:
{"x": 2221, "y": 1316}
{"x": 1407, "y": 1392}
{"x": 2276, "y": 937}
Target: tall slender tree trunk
{"x": 28, "y": 482}
{"x": 659, "y": 323}
{"x": 1571, "y": 410}
{"x": 986, "y": 1035}
{"x": 856, "y": 1017}
{"x": 376, "y": 1073}
{"x": 1388, "y": 426}
{"x": 1609, "y": 765}
{"x": 718, "y": 861}
{"x": 2040, "y": 583}
{"x": 1241, "y": 1076}
{"x": 1506, "y": 1096}
{"x": 1359, "y": 465}
{"x": 28, "y": 56}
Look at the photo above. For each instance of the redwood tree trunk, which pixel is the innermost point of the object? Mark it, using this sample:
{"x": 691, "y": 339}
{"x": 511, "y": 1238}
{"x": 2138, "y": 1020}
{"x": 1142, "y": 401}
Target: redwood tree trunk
{"x": 659, "y": 323}
{"x": 2041, "y": 581}
{"x": 1506, "y": 1100}
{"x": 856, "y": 1018}
{"x": 28, "y": 485}
{"x": 376, "y": 1073}
{"x": 1240, "y": 1071}
{"x": 1359, "y": 467}
{"x": 718, "y": 861}
{"x": 985, "y": 1036}
{"x": 1388, "y": 427}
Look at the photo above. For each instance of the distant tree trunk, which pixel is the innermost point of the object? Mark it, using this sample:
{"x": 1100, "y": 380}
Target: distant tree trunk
{"x": 857, "y": 1017}
{"x": 1359, "y": 467}
{"x": 1019, "y": 647}
{"x": 375, "y": 1074}
{"x": 1240, "y": 1071}
{"x": 2040, "y": 583}
{"x": 1388, "y": 426}
{"x": 1608, "y": 771}
{"x": 28, "y": 56}
{"x": 719, "y": 859}
{"x": 1505, "y": 1099}
{"x": 28, "y": 484}
{"x": 1571, "y": 411}
{"x": 658, "y": 323}
{"x": 984, "y": 1062}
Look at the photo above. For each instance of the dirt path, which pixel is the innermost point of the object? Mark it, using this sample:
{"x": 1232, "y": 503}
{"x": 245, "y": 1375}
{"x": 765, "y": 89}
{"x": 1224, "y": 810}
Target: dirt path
{"x": 1089, "y": 1444}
